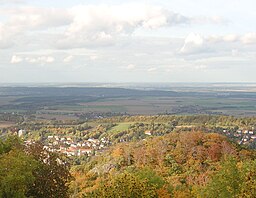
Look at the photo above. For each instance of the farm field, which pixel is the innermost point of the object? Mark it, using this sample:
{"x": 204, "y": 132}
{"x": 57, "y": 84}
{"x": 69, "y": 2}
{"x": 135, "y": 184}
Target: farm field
{"x": 6, "y": 124}
{"x": 55, "y": 103}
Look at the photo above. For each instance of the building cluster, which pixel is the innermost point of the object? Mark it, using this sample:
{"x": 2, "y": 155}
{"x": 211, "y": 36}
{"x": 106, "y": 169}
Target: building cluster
{"x": 71, "y": 147}
{"x": 244, "y": 136}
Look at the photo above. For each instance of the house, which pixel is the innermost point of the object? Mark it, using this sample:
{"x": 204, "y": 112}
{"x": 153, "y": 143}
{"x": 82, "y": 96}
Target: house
{"x": 84, "y": 151}
{"x": 148, "y": 132}
{"x": 71, "y": 151}
{"x": 21, "y": 132}
{"x": 90, "y": 140}
{"x": 62, "y": 148}
{"x": 28, "y": 142}
{"x": 73, "y": 145}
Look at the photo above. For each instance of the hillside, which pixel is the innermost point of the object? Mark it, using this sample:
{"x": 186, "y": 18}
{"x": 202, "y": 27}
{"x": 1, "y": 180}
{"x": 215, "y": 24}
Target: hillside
{"x": 186, "y": 164}
{"x": 129, "y": 156}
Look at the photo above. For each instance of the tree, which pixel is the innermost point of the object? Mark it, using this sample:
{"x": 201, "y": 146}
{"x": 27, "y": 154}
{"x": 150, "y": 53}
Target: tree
{"x": 226, "y": 182}
{"x": 31, "y": 171}
{"x": 151, "y": 177}
{"x": 51, "y": 175}
{"x": 9, "y": 143}
{"x": 124, "y": 185}
{"x": 16, "y": 174}
{"x": 248, "y": 173}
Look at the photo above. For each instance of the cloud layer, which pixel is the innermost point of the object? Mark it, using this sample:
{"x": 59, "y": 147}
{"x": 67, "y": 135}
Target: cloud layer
{"x": 121, "y": 42}
{"x": 89, "y": 24}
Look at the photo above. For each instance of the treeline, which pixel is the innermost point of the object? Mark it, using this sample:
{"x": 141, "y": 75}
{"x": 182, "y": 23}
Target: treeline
{"x": 214, "y": 120}
{"x": 186, "y": 164}
{"x": 11, "y": 117}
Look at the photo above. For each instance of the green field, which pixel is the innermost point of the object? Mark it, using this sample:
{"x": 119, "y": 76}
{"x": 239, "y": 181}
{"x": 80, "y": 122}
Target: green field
{"x": 121, "y": 126}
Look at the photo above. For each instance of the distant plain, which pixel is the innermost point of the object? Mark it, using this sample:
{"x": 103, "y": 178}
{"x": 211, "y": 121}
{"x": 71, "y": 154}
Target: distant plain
{"x": 63, "y": 102}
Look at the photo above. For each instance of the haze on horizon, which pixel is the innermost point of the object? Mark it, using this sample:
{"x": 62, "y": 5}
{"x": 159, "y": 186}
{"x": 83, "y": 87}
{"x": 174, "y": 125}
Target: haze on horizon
{"x": 127, "y": 41}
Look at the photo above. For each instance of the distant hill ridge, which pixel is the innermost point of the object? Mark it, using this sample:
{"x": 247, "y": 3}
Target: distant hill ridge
{"x": 81, "y": 91}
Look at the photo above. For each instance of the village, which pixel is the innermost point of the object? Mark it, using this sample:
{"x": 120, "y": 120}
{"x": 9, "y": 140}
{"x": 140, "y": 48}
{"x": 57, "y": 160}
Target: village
{"x": 70, "y": 146}
{"x": 243, "y": 137}
{"x": 73, "y": 146}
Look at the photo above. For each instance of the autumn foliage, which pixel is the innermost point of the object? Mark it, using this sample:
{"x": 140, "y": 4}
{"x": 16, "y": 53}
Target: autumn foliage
{"x": 186, "y": 164}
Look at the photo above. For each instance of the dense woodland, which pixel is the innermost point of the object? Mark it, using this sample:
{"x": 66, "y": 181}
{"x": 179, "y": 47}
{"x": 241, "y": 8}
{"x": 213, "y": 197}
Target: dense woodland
{"x": 186, "y": 164}
{"x": 184, "y": 156}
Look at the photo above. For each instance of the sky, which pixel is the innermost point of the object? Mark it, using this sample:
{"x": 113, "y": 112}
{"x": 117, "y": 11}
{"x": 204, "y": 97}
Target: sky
{"x": 127, "y": 41}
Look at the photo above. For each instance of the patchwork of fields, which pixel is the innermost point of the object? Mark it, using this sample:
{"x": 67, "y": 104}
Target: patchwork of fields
{"x": 42, "y": 103}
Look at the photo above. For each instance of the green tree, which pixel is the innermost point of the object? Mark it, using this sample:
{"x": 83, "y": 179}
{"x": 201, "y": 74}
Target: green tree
{"x": 9, "y": 143}
{"x": 151, "y": 177}
{"x": 16, "y": 174}
{"x": 226, "y": 182}
{"x": 124, "y": 185}
{"x": 248, "y": 173}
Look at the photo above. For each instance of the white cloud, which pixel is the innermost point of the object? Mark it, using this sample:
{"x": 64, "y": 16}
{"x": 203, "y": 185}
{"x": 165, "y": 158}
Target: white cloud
{"x": 196, "y": 44}
{"x": 102, "y": 24}
{"x": 249, "y": 38}
{"x": 121, "y": 18}
{"x": 234, "y": 52}
{"x": 87, "y": 25}
{"x": 201, "y": 67}
{"x": 94, "y": 57}
{"x": 23, "y": 21}
{"x": 193, "y": 43}
{"x": 16, "y": 59}
{"x": 29, "y": 18}
{"x": 38, "y": 59}
{"x": 48, "y": 59}
{"x": 209, "y": 20}
{"x": 152, "y": 69}
{"x": 68, "y": 59}
{"x": 124, "y": 37}
{"x": 230, "y": 38}
{"x": 31, "y": 60}
{"x": 130, "y": 67}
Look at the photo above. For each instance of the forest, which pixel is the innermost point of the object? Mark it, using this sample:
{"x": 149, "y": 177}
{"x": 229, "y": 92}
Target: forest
{"x": 130, "y": 156}
{"x": 186, "y": 164}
